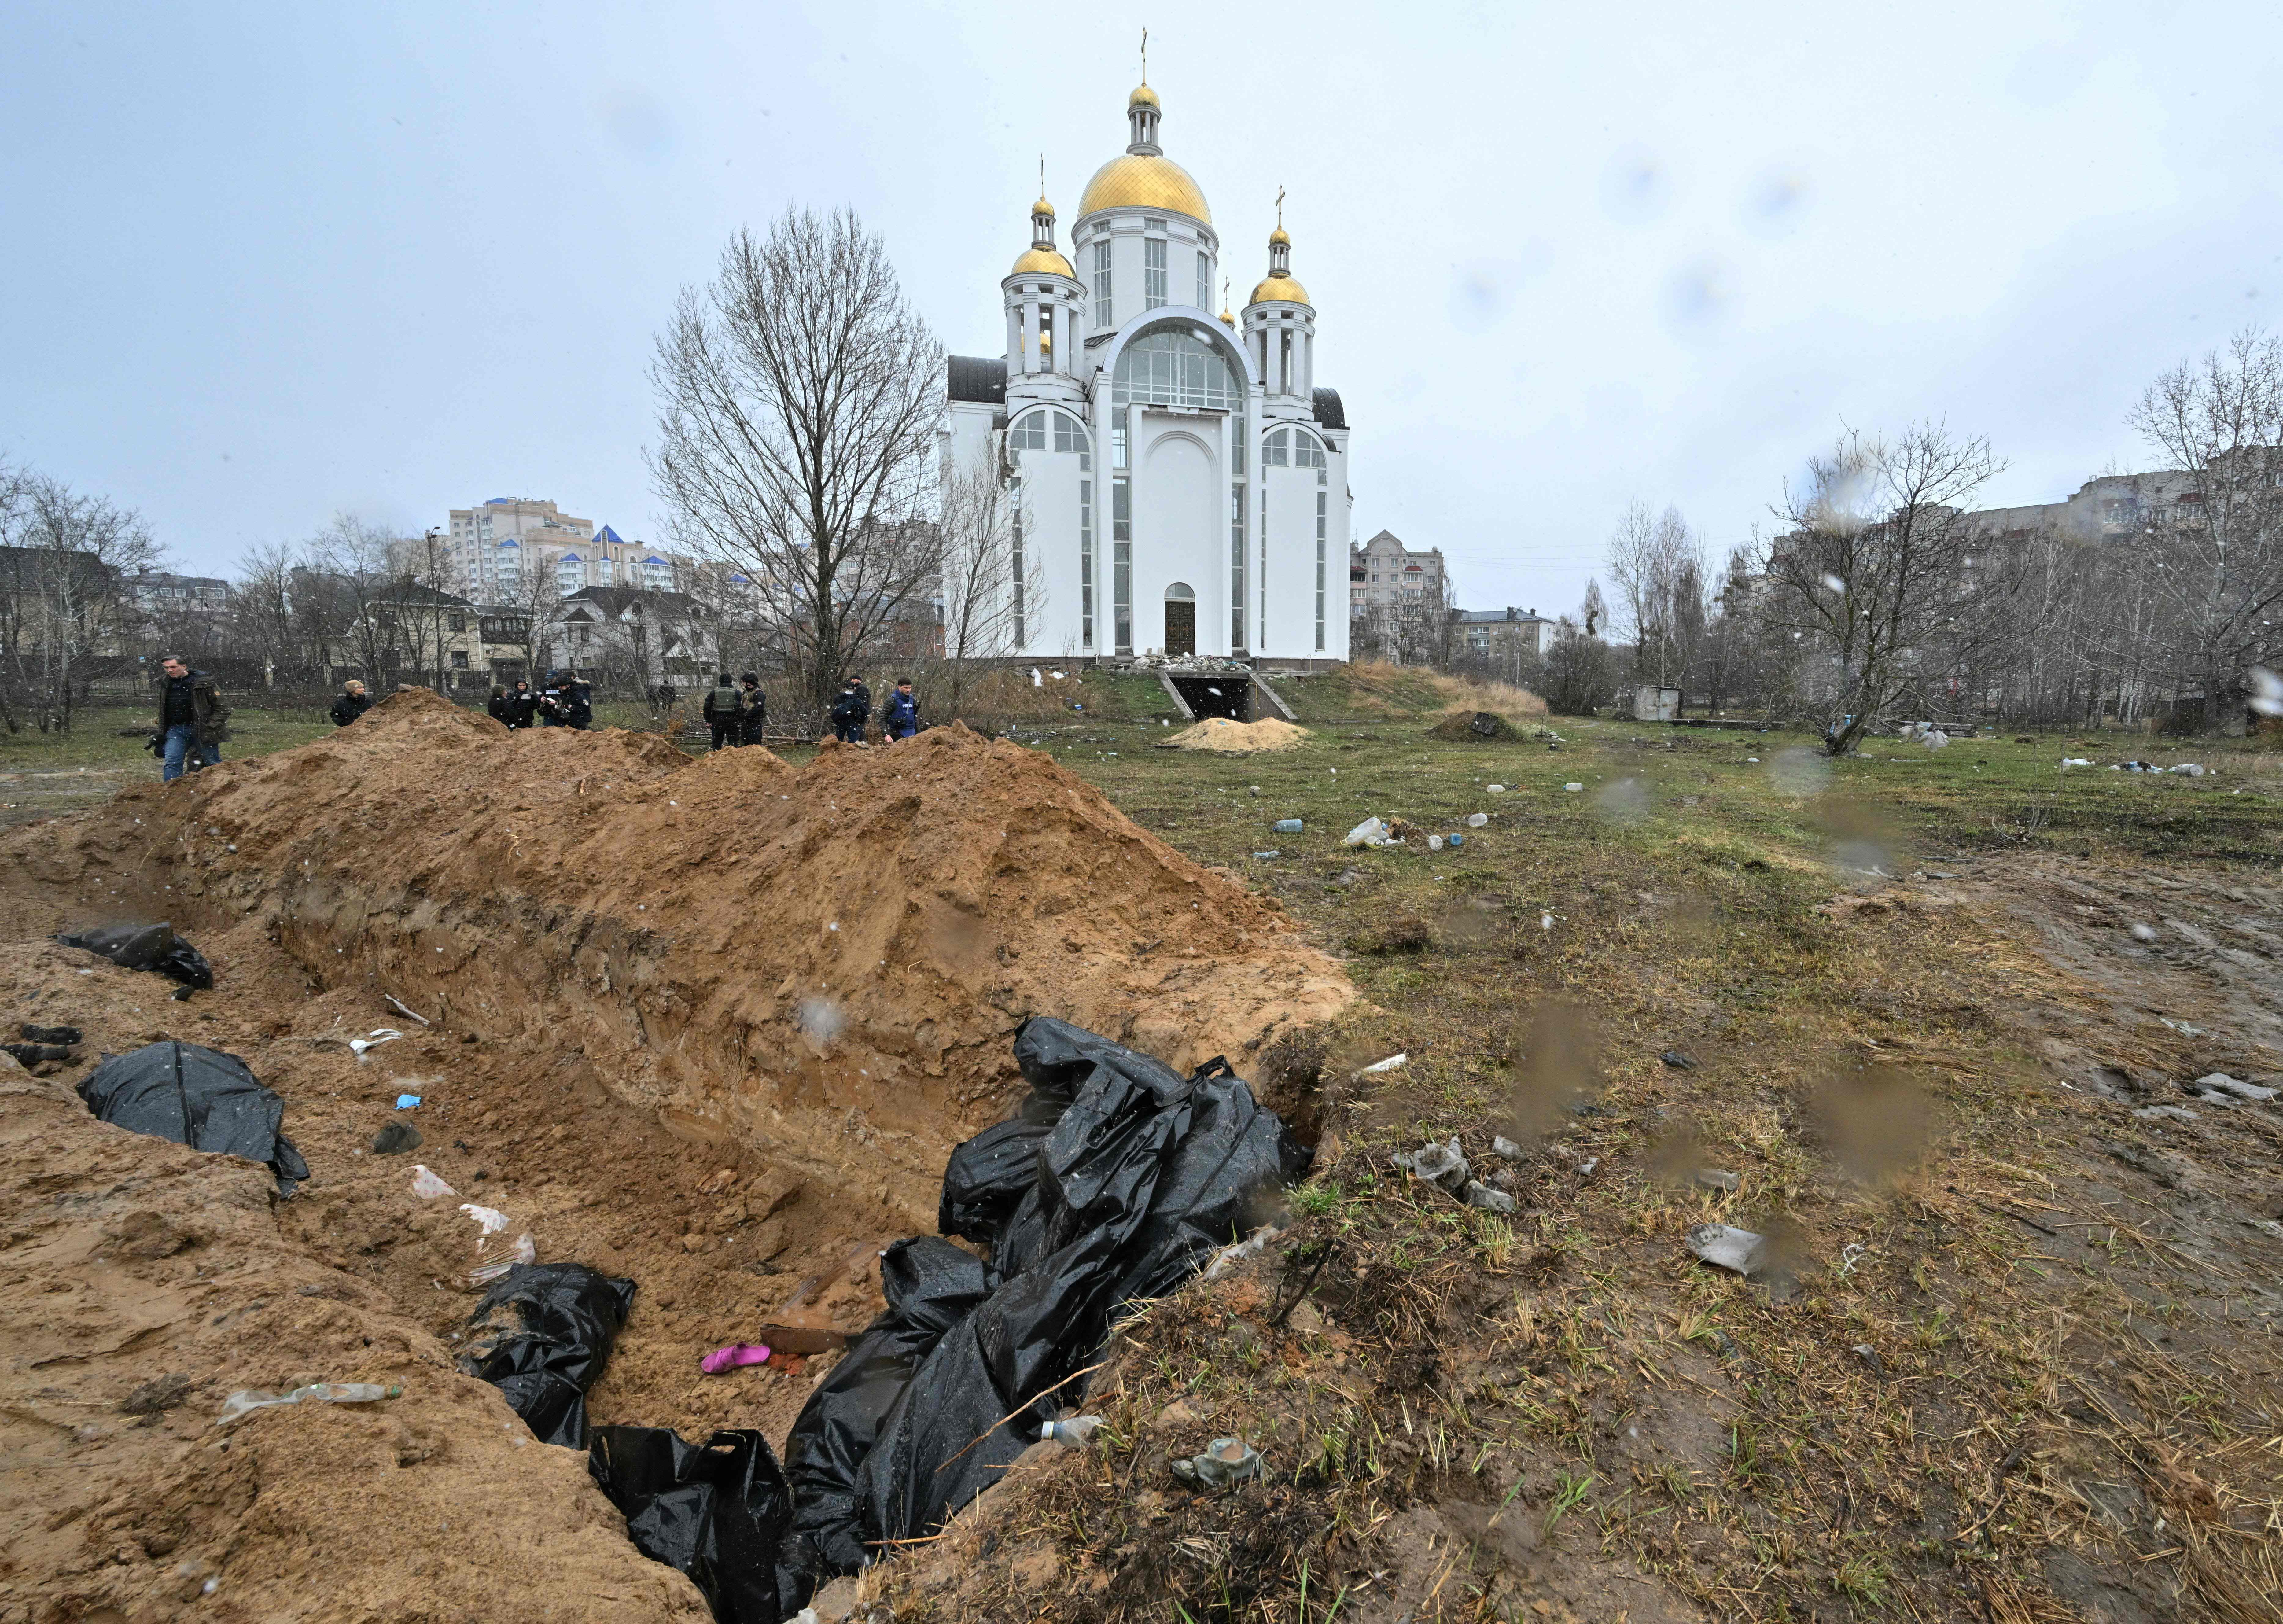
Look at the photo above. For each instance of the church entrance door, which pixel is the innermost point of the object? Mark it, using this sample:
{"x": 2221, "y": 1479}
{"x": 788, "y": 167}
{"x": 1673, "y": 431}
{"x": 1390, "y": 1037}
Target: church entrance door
{"x": 1181, "y": 628}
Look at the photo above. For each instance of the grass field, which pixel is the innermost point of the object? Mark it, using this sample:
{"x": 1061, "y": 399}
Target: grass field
{"x": 2017, "y": 1360}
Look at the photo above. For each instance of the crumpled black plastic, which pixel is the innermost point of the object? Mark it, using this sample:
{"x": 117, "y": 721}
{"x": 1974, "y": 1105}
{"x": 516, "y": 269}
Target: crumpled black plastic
{"x": 197, "y": 1096}
{"x": 146, "y": 946}
{"x": 931, "y": 1286}
{"x": 716, "y": 1510}
{"x": 543, "y": 1333}
{"x": 1138, "y": 1174}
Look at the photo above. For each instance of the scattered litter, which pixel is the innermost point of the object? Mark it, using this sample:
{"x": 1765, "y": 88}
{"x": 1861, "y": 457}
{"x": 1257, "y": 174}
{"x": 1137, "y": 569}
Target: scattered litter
{"x": 734, "y": 1357}
{"x": 490, "y": 1218}
{"x": 2180, "y": 1026}
{"x": 1935, "y": 740}
{"x": 146, "y": 947}
{"x": 408, "y": 1101}
{"x": 427, "y": 1186}
{"x": 520, "y": 1251}
{"x": 2075, "y": 760}
{"x": 1442, "y": 1165}
{"x": 1715, "y": 1178}
{"x": 1478, "y": 820}
{"x": 1489, "y": 1199}
{"x": 1371, "y": 831}
{"x": 1229, "y": 1257}
{"x": 1573, "y": 788}
{"x": 2178, "y": 1113}
{"x": 1075, "y": 1432}
{"x": 401, "y": 1008}
{"x": 717, "y": 1511}
{"x": 1493, "y": 788}
{"x": 1225, "y": 1462}
{"x": 1726, "y": 1247}
{"x": 247, "y": 1399}
{"x": 1289, "y": 825}
{"x": 2188, "y": 769}
{"x": 395, "y": 1139}
{"x": 1753, "y": 759}
{"x": 1545, "y": 922}
{"x": 1677, "y": 1060}
{"x": 1268, "y": 856}
{"x": 1454, "y": 841}
{"x": 1502, "y": 1146}
{"x": 1434, "y": 842}
{"x": 542, "y": 1334}
{"x": 1869, "y": 1355}
{"x": 197, "y": 1096}
{"x": 1586, "y": 1168}
{"x": 373, "y": 1039}
{"x": 1393, "y": 1063}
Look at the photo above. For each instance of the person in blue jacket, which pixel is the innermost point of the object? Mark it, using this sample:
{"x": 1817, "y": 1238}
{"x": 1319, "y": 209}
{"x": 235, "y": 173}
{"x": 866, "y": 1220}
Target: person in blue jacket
{"x": 899, "y": 718}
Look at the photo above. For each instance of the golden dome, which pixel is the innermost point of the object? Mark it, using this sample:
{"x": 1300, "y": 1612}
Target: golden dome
{"x": 1043, "y": 207}
{"x": 1277, "y": 236}
{"x": 1037, "y": 262}
{"x": 1143, "y": 97}
{"x": 1275, "y": 288}
{"x": 1139, "y": 181}
{"x": 1228, "y": 321}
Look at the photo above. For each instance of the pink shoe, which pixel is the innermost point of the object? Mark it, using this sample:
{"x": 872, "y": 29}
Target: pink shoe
{"x": 731, "y": 1358}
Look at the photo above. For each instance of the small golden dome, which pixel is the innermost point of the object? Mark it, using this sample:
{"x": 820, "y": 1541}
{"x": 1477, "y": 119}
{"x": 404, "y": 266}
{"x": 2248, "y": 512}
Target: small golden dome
{"x": 1043, "y": 207}
{"x": 1228, "y": 321}
{"x": 1277, "y": 238}
{"x": 1042, "y": 262}
{"x": 1276, "y": 288}
{"x": 1139, "y": 180}
{"x": 1143, "y": 97}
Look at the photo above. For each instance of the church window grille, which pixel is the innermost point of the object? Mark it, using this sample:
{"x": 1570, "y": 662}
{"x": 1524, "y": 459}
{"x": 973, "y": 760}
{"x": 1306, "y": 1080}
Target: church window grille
{"x": 1204, "y": 282}
{"x": 1171, "y": 367}
{"x": 1030, "y": 432}
{"x": 1153, "y": 265}
{"x": 1102, "y": 301}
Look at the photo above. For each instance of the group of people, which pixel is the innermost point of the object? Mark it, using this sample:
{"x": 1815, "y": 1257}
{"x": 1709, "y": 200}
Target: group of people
{"x": 735, "y": 711}
{"x": 899, "y": 717}
{"x": 565, "y": 702}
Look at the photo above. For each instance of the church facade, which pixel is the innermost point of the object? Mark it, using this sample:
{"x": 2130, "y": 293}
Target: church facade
{"x": 1176, "y": 482}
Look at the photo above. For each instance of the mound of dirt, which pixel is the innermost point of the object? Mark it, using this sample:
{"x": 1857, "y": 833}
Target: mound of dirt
{"x": 1222, "y": 736}
{"x": 754, "y": 951}
{"x": 1473, "y": 725}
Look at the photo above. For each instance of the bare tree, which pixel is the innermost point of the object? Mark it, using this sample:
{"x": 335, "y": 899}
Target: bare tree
{"x": 798, "y": 400}
{"x": 2215, "y": 550}
{"x": 1576, "y": 673}
{"x": 1657, "y": 564}
{"x": 980, "y": 610}
{"x": 63, "y": 594}
{"x": 347, "y": 580}
{"x": 1876, "y": 565}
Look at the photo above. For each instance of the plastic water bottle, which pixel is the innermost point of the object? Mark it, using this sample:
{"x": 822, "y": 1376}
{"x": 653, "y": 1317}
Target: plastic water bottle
{"x": 1289, "y": 825}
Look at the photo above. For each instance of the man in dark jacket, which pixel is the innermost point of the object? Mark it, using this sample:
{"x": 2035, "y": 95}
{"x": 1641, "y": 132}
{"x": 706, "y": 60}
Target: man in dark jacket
{"x": 497, "y": 705}
{"x": 757, "y": 706}
{"x": 192, "y": 719}
{"x": 352, "y": 702}
{"x": 849, "y": 714}
{"x": 522, "y": 706}
{"x": 574, "y": 702}
{"x": 724, "y": 710}
{"x": 900, "y": 718}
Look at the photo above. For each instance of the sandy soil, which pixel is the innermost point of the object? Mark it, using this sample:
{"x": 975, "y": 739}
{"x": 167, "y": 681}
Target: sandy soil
{"x": 1222, "y": 736}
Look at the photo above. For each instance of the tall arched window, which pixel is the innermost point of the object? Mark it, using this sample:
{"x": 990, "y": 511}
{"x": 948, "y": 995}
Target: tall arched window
{"x": 1167, "y": 366}
{"x": 1041, "y": 430}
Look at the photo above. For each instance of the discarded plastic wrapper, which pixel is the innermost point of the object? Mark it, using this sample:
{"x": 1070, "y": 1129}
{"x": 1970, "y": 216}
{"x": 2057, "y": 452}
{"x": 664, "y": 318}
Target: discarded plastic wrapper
{"x": 1493, "y": 788}
{"x": 717, "y": 1510}
{"x": 490, "y": 1217}
{"x": 736, "y": 1357}
{"x": 1388, "y": 1064}
{"x": 1289, "y": 825}
{"x": 1225, "y": 1462}
{"x": 408, "y": 1101}
{"x": 247, "y": 1399}
{"x": 1434, "y": 842}
{"x": 1489, "y": 1199}
{"x": 1371, "y": 831}
{"x": 1443, "y": 1165}
{"x": 373, "y": 1039}
{"x": 198, "y": 1096}
{"x": 519, "y": 1250}
{"x": 427, "y": 1186}
{"x": 1478, "y": 820}
{"x": 1573, "y": 788}
{"x": 1268, "y": 856}
{"x": 1723, "y": 1246}
{"x": 402, "y": 1008}
{"x": 1229, "y": 1257}
{"x": 1500, "y": 1146}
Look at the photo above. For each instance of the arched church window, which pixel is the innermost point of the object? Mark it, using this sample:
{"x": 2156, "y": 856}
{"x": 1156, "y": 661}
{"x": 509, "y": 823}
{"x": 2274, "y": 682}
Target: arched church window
{"x": 1029, "y": 433}
{"x": 1278, "y": 452}
{"x": 1175, "y": 367}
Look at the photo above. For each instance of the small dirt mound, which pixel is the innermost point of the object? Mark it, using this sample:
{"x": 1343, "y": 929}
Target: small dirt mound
{"x": 1222, "y": 736}
{"x": 1473, "y": 725}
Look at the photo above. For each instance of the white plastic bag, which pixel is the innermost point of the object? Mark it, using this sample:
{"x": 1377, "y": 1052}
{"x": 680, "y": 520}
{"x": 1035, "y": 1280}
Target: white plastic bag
{"x": 427, "y": 1186}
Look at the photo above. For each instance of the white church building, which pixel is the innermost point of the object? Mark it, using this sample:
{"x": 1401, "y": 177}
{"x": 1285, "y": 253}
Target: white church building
{"x": 1179, "y": 480}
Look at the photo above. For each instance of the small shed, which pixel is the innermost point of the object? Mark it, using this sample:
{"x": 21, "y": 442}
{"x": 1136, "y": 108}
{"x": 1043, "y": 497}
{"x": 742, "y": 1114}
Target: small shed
{"x": 1656, "y": 705}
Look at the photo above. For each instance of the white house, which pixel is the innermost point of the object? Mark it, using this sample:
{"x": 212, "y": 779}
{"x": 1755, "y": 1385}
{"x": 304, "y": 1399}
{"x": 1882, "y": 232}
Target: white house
{"x": 1181, "y": 480}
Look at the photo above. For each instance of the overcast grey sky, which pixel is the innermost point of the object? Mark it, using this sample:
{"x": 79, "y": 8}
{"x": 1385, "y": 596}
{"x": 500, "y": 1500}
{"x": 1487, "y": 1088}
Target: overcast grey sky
{"x": 265, "y": 263}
